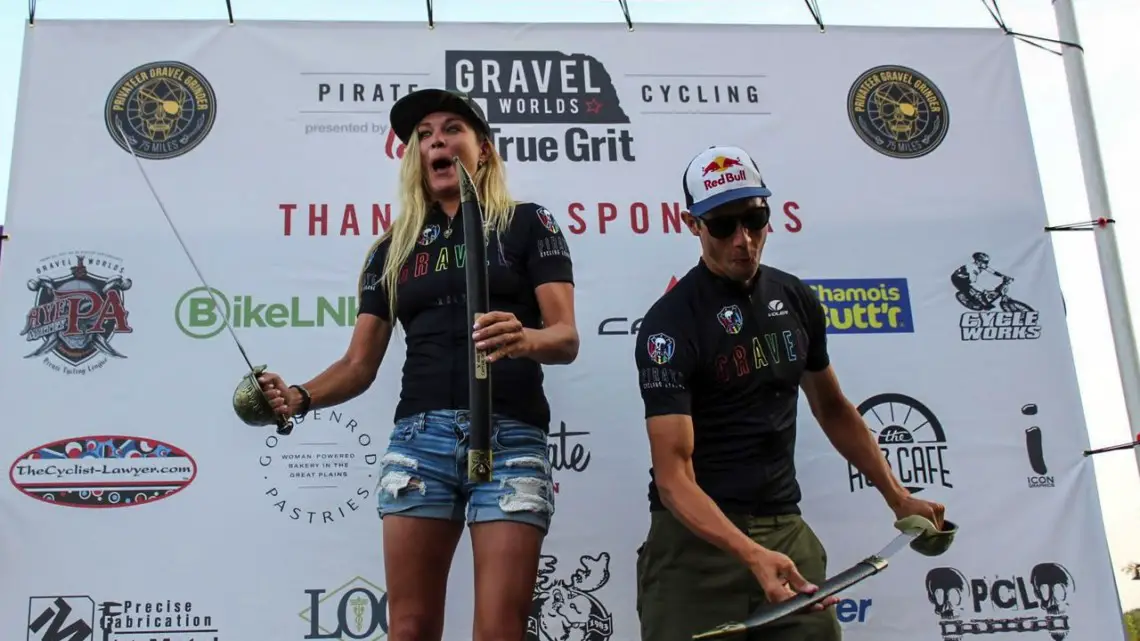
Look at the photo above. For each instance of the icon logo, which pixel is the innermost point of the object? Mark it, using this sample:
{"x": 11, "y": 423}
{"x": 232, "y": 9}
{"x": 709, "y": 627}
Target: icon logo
{"x": 912, "y": 440}
{"x": 569, "y": 608}
{"x": 166, "y": 109}
{"x": 1035, "y": 451}
{"x": 103, "y": 471}
{"x": 78, "y": 309}
{"x": 898, "y": 111}
{"x": 864, "y": 305}
{"x": 776, "y": 308}
{"x": 731, "y": 319}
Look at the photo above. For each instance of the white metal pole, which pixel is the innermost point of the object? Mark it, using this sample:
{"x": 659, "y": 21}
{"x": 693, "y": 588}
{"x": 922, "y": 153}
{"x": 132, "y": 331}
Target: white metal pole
{"x": 1097, "y": 188}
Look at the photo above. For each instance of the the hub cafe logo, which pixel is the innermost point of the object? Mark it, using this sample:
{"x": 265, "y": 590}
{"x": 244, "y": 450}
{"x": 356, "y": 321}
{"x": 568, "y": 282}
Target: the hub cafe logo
{"x": 325, "y": 477}
{"x": 78, "y": 310}
{"x": 103, "y": 471}
{"x": 200, "y": 315}
{"x": 567, "y": 600}
{"x": 912, "y": 440}
{"x": 1033, "y": 602}
{"x": 994, "y": 315}
{"x": 571, "y": 92}
{"x": 356, "y": 610}
{"x": 83, "y": 618}
{"x": 898, "y": 112}
{"x": 165, "y": 109}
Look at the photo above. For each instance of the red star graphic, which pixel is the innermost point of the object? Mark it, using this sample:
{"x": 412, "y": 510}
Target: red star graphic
{"x": 593, "y": 106}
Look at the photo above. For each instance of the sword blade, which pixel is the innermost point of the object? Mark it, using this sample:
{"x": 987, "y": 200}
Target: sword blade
{"x": 900, "y": 541}
{"x": 857, "y": 573}
{"x": 284, "y": 426}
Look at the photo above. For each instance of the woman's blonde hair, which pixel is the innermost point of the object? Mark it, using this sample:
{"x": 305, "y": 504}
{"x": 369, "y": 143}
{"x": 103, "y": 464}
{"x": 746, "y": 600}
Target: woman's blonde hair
{"x": 494, "y": 198}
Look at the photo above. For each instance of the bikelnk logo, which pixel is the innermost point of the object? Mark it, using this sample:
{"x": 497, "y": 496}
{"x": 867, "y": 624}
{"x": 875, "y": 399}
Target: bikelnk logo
{"x": 865, "y": 305}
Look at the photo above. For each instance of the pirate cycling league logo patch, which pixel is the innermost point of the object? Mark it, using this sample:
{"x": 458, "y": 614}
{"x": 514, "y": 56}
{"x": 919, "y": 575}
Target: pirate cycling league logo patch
{"x": 993, "y": 315}
{"x": 660, "y": 348}
{"x": 979, "y": 607}
{"x": 165, "y": 108}
{"x": 568, "y": 608}
{"x": 731, "y": 319}
{"x": 78, "y": 309}
{"x": 898, "y": 111}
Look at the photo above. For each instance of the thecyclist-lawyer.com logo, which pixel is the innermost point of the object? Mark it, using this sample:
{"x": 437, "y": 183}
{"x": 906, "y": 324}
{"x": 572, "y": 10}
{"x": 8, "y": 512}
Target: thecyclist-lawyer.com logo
{"x": 200, "y": 315}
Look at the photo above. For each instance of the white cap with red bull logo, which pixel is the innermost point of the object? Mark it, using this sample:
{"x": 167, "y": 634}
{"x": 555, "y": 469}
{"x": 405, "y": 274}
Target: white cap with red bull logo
{"x": 719, "y": 175}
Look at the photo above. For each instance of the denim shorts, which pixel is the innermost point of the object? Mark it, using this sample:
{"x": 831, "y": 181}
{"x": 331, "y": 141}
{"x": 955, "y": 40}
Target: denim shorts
{"x": 424, "y": 472}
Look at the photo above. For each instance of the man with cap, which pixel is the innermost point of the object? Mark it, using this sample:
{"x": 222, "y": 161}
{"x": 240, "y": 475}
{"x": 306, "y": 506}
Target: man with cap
{"x": 721, "y": 358}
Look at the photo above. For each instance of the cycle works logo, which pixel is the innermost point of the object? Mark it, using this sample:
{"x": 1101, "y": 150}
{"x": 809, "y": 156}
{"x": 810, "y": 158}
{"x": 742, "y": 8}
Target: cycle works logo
{"x": 1035, "y": 452}
{"x": 865, "y": 305}
{"x": 570, "y": 606}
{"x": 967, "y": 607}
{"x": 165, "y": 108}
{"x": 994, "y": 316}
{"x": 356, "y": 610}
{"x": 78, "y": 309}
{"x": 898, "y": 111}
{"x": 103, "y": 471}
{"x": 911, "y": 438}
{"x": 529, "y": 88}
{"x": 81, "y": 618}
{"x": 200, "y": 315}
{"x": 324, "y": 477}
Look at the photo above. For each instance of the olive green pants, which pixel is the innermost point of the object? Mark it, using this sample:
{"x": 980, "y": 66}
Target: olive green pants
{"x": 686, "y": 585}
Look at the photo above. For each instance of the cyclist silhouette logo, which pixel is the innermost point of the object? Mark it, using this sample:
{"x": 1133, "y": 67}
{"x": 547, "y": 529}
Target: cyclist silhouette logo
{"x": 994, "y": 314}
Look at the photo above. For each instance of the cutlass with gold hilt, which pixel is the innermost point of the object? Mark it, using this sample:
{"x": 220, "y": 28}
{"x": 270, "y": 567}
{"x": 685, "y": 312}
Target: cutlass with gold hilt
{"x": 915, "y": 531}
{"x": 250, "y": 402}
{"x": 479, "y": 463}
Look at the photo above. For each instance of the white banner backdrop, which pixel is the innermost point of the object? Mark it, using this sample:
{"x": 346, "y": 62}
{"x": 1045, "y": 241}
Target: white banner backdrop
{"x": 895, "y": 155}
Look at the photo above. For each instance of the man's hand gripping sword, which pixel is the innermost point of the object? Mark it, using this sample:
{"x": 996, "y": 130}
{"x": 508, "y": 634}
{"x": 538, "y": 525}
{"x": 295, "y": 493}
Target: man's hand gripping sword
{"x": 250, "y": 401}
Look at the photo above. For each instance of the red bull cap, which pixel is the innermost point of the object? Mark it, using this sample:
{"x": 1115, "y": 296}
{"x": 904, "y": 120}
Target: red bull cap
{"x": 721, "y": 174}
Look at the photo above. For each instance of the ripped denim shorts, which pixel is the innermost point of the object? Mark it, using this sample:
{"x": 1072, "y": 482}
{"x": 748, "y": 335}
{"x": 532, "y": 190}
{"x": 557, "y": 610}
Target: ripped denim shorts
{"x": 424, "y": 472}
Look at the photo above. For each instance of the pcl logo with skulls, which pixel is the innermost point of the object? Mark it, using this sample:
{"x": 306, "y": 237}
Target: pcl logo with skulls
{"x": 1034, "y": 603}
{"x": 568, "y": 609}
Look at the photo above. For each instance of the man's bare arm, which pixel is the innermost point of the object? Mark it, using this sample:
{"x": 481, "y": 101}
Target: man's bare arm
{"x": 848, "y": 433}
{"x": 671, "y": 449}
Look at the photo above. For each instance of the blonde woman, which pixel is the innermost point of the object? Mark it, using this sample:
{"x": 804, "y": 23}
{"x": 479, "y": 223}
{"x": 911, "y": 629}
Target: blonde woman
{"x": 414, "y": 273}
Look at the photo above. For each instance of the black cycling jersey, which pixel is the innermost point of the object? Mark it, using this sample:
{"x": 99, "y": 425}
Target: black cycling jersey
{"x": 731, "y": 356}
{"x": 431, "y": 307}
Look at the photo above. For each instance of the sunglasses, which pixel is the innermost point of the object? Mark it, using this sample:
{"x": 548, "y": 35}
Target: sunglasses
{"x": 753, "y": 219}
